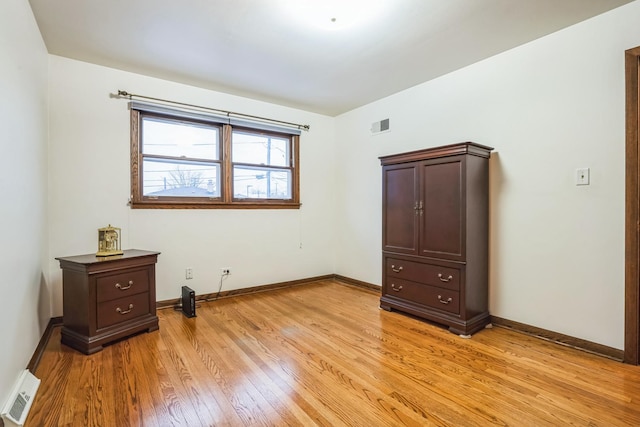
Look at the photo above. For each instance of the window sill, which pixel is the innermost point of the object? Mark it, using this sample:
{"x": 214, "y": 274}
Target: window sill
{"x": 234, "y": 205}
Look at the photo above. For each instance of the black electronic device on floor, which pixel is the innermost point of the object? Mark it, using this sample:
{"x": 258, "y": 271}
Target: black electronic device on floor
{"x": 188, "y": 302}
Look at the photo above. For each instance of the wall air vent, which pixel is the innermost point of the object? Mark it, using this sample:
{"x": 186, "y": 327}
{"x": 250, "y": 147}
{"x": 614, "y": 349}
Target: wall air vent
{"x": 15, "y": 411}
{"x": 380, "y": 127}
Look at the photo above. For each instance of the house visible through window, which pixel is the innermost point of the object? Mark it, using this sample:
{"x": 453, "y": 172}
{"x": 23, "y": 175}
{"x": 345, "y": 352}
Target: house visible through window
{"x": 192, "y": 160}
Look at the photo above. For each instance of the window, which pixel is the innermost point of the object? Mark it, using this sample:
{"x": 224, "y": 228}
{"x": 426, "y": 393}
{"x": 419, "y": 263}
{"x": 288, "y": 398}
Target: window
{"x": 261, "y": 164}
{"x": 179, "y": 159}
{"x": 192, "y": 160}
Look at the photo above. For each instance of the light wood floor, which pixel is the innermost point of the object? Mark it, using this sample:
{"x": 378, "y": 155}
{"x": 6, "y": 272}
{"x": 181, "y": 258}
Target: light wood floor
{"x": 325, "y": 354}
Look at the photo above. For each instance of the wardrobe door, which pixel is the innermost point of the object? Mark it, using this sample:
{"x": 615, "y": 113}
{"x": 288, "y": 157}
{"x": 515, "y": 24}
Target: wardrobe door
{"x": 400, "y": 212}
{"x": 442, "y": 231}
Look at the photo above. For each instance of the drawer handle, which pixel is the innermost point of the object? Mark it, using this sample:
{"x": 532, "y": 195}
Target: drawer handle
{"x": 398, "y": 289}
{"x": 444, "y": 279}
{"x": 119, "y": 286}
{"x": 121, "y": 311}
{"x": 442, "y": 301}
{"x": 396, "y": 270}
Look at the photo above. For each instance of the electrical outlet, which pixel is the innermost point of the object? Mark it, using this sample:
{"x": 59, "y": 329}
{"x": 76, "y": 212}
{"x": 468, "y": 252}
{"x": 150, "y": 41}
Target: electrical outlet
{"x": 226, "y": 271}
{"x": 188, "y": 273}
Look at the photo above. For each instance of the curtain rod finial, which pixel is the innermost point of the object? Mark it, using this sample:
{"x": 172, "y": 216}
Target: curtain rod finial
{"x": 124, "y": 93}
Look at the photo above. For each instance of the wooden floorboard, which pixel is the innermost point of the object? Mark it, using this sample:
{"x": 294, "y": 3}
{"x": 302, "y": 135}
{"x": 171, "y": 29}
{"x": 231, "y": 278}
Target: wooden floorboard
{"x": 324, "y": 354}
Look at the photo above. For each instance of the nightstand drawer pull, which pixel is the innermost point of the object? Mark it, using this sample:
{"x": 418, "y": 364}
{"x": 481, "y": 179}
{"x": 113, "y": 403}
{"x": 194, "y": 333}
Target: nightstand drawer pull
{"x": 119, "y": 286}
{"x": 119, "y": 310}
{"x": 396, "y": 270}
{"x": 443, "y": 279}
{"x": 442, "y": 301}
{"x": 398, "y": 289}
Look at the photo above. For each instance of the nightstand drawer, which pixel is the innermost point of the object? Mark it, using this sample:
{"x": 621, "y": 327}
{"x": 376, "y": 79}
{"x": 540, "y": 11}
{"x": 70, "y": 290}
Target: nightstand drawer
{"x": 431, "y": 274}
{"x": 438, "y": 298}
{"x": 123, "y": 284}
{"x": 122, "y": 309}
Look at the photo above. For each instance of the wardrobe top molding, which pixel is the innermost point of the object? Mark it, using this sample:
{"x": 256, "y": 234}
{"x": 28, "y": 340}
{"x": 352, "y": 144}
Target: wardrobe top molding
{"x": 442, "y": 151}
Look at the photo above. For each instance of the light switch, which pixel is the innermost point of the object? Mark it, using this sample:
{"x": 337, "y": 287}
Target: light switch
{"x": 582, "y": 176}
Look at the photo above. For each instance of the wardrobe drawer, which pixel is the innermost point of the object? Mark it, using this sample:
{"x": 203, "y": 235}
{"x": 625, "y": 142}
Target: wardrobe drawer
{"x": 430, "y": 274}
{"x": 434, "y": 297}
{"x": 122, "y": 309}
{"x": 122, "y": 284}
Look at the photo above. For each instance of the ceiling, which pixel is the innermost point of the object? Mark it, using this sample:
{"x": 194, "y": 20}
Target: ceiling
{"x": 289, "y": 52}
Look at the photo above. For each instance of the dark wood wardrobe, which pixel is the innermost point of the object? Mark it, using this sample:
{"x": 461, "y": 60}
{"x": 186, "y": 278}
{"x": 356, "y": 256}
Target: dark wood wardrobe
{"x": 435, "y": 234}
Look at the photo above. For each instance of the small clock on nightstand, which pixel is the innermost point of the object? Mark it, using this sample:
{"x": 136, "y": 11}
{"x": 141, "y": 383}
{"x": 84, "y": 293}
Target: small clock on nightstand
{"x": 109, "y": 241}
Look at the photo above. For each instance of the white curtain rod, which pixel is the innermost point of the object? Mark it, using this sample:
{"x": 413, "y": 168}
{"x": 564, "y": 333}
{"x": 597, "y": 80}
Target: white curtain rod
{"x": 123, "y": 93}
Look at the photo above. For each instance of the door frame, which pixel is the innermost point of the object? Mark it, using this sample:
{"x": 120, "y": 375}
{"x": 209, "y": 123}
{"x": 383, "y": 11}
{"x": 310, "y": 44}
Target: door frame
{"x": 632, "y": 208}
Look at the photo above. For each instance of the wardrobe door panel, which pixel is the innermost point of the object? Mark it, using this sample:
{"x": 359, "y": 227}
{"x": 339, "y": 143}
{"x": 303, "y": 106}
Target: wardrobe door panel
{"x": 442, "y": 231}
{"x": 400, "y": 216}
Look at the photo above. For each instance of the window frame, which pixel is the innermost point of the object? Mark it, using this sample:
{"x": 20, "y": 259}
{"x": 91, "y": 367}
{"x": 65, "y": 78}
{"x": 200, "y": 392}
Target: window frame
{"x": 260, "y": 166}
{"x": 226, "y": 199}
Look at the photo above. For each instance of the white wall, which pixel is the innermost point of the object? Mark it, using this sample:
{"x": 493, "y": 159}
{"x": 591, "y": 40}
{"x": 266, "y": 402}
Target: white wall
{"x": 90, "y": 152}
{"x": 548, "y": 107}
{"x": 23, "y": 178}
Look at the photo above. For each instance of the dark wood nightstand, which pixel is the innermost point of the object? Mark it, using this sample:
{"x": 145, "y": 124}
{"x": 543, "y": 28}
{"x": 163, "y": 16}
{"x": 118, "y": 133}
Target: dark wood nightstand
{"x": 107, "y": 298}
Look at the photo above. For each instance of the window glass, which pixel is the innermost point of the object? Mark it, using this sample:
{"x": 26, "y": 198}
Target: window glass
{"x": 162, "y": 177}
{"x": 256, "y": 183}
{"x": 257, "y": 149}
{"x": 174, "y": 138}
